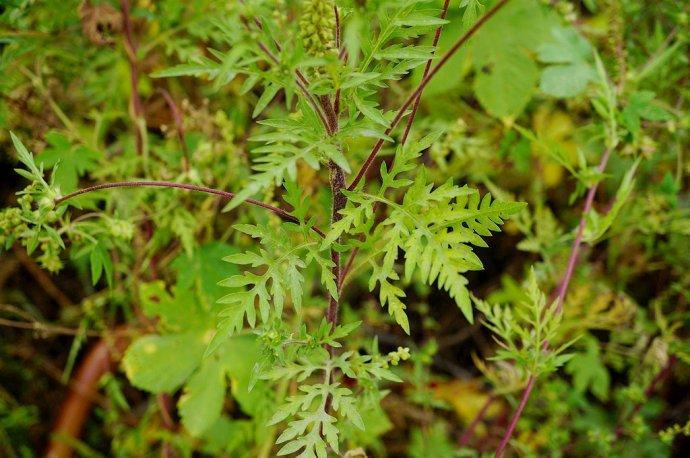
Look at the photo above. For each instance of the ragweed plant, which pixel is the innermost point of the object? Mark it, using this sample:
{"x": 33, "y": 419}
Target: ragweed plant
{"x": 322, "y": 125}
{"x": 282, "y": 216}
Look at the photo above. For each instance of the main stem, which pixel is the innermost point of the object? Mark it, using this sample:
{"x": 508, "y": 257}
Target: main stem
{"x": 338, "y": 203}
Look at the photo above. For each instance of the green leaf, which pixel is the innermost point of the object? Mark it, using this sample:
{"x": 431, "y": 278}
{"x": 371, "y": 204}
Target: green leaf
{"x": 100, "y": 261}
{"x": 473, "y": 9}
{"x": 596, "y": 225}
{"x": 68, "y": 161}
{"x": 26, "y": 158}
{"x": 266, "y": 96}
{"x": 179, "y": 312}
{"x": 500, "y": 53}
{"x": 370, "y": 111}
{"x": 204, "y": 269}
{"x": 400, "y": 52}
{"x": 589, "y": 372}
{"x": 571, "y": 58}
{"x": 508, "y": 86}
{"x": 202, "y": 402}
{"x": 239, "y": 356}
{"x": 641, "y": 106}
{"x": 160, "y": 364}
{"x": 420, "y": 20}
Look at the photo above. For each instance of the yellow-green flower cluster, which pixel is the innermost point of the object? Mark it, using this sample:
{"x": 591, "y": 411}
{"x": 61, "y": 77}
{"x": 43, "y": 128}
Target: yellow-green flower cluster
{"x": 401, "y": 354}
{"x": 22, "y": 225}
{"x": 11, "y": 224}
{"x": 317, "y": 27}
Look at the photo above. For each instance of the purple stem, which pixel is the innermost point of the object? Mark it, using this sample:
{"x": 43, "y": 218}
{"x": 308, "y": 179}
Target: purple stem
{"x": 189, "y": 187}
{"x": 422, "y": 84}
{"x": 562, "y": 290}
{"x": 469, "y": 432}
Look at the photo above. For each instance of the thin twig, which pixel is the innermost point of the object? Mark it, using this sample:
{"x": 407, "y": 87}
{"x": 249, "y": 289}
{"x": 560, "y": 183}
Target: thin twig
{"x": 43, "y": 279}
{"x": 131, "y": 51}
{"x": 179, "y": 126}
{"x": 45, "y": 328}
{"x": 648, "y": 392}
{"x": 562, "y": 291}
{"x": 469, "y": 432}
{"x": 420, "y": 88}
{"x": 190, "y": 187}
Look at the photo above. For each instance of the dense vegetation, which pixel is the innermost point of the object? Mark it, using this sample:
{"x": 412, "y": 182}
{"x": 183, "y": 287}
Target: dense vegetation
{"x": 422, "y": 228}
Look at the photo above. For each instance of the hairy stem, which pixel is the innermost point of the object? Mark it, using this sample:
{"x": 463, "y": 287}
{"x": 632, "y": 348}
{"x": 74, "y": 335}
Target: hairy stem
{"x": 420, "y": 88}
{"x": 190, "y": 187}
{"x": 338, "y": 203}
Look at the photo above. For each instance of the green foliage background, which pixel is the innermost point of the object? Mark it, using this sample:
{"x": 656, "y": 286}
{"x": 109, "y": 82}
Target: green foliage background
{"x": 218, "y": 314}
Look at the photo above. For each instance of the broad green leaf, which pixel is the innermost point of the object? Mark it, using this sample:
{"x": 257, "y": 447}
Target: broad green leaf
{"x": 641, "y": 106}
{"x": 160, "y": 364}
{"x": 500, "y": 53}
{"x": 571, "y": 69}
{"x": 179, "y": 312}
{"x": 589, "y": 372}
{"x": 202, "y": 402}
{"x": 509, "y": 85}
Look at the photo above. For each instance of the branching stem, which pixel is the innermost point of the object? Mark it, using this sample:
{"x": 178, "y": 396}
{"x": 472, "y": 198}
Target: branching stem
{"x": 190, "y": 187}
{"x": 408, "y": 126}
{"x": 420, "y": 88}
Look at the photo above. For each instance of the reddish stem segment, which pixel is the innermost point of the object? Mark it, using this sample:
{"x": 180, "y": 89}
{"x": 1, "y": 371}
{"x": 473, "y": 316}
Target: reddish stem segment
{"x": 427, "y": 68}
{"x": 408, "y": 126}
{"x": 84, "y": 389}
{"x": 190, "y": 187}
{"x": 469, "y": 432}
{"x": 651, "y": 388}
{"x": 577, "y": 243}
{"x": 179, "y": 126}
{"x": 562, "y": 291}
{"x": 516, "y": 416}
{"x": 422, "y": 84}
{"x": 136, "y": 105}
